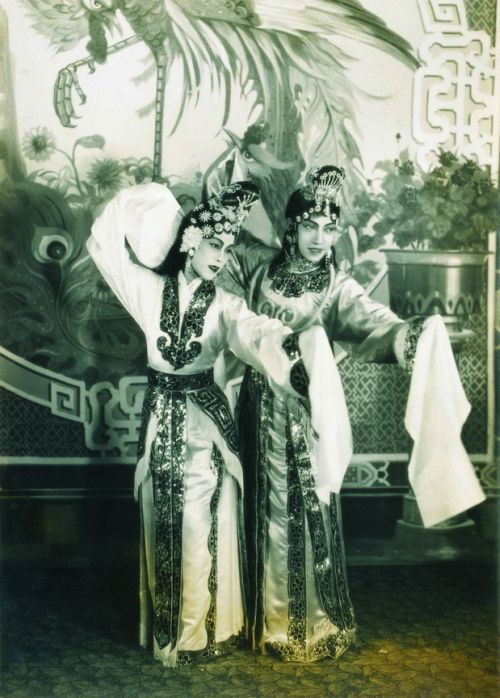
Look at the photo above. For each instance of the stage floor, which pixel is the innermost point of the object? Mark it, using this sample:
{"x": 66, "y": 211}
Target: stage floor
{"x": 424, "y": 631}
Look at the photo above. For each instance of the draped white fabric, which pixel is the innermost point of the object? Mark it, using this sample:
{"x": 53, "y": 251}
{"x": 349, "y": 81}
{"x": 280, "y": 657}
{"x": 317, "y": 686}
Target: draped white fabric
{"x": 332, "y": 450}
{"x": 440, "y": 470}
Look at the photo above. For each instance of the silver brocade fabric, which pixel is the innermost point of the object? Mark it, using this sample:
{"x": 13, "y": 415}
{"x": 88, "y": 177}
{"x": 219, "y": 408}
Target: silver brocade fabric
{"x": 308, "y": 614}
{"x": 299, "y": 605}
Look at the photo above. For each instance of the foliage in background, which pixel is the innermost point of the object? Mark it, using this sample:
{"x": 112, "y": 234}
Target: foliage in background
{"x": 103, "y": 178}
{"x": 452, "y": 207}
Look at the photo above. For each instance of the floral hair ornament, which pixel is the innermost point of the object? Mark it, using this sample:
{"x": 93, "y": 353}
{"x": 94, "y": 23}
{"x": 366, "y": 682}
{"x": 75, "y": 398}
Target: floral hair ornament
{"x": 224, "y": 212}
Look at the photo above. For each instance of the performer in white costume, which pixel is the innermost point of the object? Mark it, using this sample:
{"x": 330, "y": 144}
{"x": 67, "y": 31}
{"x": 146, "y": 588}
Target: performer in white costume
{"x": 295, "y": 450}
{"x": 188, "y": 474}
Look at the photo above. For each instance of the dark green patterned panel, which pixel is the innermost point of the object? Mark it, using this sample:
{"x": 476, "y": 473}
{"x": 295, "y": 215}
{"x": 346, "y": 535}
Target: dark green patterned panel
{"x": 481, "y": 16}
{"x": 377, "y": 395}
{"x": 29, "y": 429}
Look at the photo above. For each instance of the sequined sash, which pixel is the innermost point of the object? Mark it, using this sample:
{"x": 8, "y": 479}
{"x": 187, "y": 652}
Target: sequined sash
{"x": 177, "y": 383}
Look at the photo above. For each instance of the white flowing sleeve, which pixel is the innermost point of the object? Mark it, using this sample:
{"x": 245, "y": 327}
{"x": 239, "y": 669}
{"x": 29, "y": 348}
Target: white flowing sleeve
{"x": 257, "y": 340}
{"x": 147, "y": 217}
{"x": 366, "y": 328}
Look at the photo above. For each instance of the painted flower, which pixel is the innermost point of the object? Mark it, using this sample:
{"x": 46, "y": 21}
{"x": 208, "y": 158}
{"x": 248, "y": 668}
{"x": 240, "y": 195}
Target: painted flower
{"x": 408, "y": 196}
{"x": 106, "y": 174}
{"x": 191, "y": 238}
{"x": 141, "y": 170}
{"x": 38, "y": 144}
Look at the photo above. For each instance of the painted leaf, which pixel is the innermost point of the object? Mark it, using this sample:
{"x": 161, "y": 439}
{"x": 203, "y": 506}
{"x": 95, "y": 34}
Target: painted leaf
{"x": 95, "y": 141}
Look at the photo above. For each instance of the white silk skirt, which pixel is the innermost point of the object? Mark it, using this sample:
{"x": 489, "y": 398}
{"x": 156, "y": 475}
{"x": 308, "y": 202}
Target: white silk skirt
{"x": 199, "y": 599}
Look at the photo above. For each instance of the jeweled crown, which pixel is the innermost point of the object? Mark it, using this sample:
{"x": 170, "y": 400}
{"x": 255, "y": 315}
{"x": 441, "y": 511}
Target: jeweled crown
{"x": 322, "y": 185}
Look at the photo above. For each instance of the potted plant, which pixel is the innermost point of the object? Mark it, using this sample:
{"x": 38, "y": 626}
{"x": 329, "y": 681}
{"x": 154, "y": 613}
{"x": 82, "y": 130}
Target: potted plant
{"x": 437, "y": 225}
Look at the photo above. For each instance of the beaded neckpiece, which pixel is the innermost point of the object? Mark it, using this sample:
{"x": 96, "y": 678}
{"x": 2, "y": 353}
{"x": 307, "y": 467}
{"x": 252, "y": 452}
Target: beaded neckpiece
{"x": 294, "y": 277}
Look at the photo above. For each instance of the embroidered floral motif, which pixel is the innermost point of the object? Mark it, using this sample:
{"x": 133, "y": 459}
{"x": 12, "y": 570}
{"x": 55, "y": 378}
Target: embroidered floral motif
{"x": 168, "y": 456}
{"x": 411, "y": 340}
{"x": 299, "y": 379}
{"x": 179, "y": 347}
{"x": 166, "y": 398}
{"x": 291, "y": 281}
{"x": 329, "y": 570}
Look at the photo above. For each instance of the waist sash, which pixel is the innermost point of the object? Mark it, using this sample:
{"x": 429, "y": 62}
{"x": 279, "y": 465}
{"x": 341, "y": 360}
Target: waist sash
{"x": 177, "y": 383}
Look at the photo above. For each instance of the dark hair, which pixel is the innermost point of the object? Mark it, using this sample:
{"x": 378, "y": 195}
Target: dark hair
{"x": 175, "y": 259}
{"x": 242, "y": 194}
{"x": 299, "y": 203}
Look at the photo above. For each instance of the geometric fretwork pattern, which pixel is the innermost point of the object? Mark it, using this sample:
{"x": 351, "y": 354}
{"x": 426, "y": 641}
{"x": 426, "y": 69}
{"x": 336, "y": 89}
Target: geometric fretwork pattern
{"x": 454, "y": 100}
{"x": 377, "y": 394}
{"x": 473, "y": 372}
{"x": 481, "y": 16}
{"x": 29, "y": 429}
{"x": 376, "y": 400}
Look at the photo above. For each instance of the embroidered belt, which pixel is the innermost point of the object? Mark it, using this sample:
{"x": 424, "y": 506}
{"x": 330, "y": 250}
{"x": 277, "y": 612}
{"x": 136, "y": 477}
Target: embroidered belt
{"x": 177, "y": 383}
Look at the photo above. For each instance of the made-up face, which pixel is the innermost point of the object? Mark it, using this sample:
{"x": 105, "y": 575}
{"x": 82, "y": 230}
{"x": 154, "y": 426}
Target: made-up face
{"x": 211, "y": 255}
{"x": 316, "y": 236}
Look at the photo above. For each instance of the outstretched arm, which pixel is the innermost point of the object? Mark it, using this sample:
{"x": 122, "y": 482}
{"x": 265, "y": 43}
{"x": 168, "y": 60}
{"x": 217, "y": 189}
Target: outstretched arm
{"x": 369, "y": 330}
{"x": 258, "y": 341}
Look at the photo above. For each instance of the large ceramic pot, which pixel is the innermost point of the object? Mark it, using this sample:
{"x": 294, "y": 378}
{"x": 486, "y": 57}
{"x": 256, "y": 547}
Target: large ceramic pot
{"x": 427, "y": 282}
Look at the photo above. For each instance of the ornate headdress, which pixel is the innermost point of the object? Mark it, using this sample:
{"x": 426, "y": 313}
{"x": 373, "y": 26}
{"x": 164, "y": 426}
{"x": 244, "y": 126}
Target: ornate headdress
{"x": 222, "y": 213}
{"x": 318, "y": 195}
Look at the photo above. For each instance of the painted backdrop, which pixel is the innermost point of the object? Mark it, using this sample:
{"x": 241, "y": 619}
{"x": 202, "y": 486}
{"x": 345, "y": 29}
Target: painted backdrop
{"x": 97, "y": 96}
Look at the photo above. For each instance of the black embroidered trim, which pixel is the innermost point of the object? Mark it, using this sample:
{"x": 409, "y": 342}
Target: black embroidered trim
{"x": 159, "y": 381}
{"x": 168, "y": 456}
{"x": 174, "y": 349}
{"x": 212, "y": 649}
{"x": 297, "y": 604}
{"x": 292, "y": 284}
{"x": 214, "y": 403}
{"x": 329, "y": 566}
{"x": 190, "y": 657}
{"x": 299, "y": 378}
{"x": 415, "y": 327}
{"x": 255, "y": 414}
{"x": 339, "y": 569}
{"x": 177, "y": 383}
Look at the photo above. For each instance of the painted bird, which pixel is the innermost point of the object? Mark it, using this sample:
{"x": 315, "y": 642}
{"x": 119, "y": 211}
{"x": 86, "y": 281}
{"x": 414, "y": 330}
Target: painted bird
{"x": 285, "y": 50}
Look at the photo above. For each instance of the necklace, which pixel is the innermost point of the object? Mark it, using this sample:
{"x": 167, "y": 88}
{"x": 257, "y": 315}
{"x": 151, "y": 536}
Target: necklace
{"x": 297, "y": 275}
